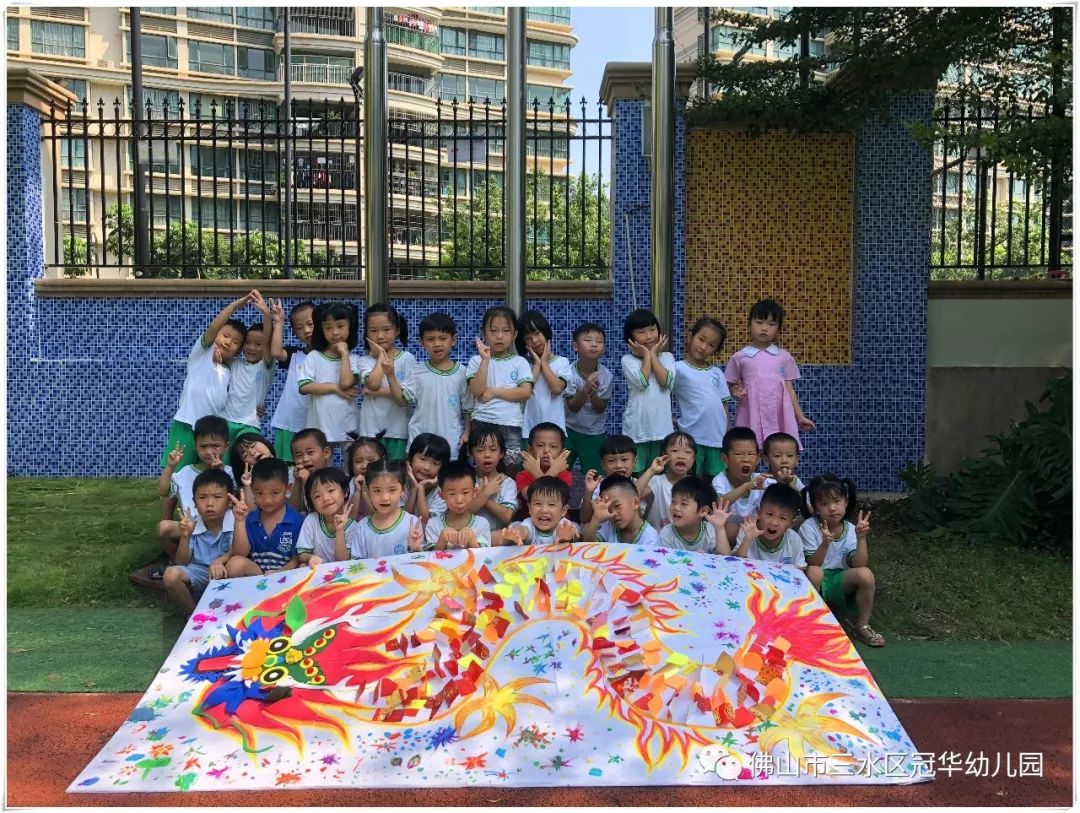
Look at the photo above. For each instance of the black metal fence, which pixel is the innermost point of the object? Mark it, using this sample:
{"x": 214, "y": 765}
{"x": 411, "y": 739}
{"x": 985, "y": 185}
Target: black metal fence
{"x": 215, "y": 178}
{"x": 988, "y": 221}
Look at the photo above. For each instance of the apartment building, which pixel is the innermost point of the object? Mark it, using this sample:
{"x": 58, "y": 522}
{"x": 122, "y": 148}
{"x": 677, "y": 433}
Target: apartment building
{"x": 211, "y": 61}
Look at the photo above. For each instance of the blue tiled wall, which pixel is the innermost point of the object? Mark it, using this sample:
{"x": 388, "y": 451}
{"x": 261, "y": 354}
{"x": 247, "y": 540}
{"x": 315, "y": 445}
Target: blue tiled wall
{"x": 92, "y": 383}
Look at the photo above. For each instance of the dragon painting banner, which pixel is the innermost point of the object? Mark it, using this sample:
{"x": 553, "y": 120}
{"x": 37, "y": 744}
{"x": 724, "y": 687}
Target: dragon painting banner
{"x": 580, "y": 664}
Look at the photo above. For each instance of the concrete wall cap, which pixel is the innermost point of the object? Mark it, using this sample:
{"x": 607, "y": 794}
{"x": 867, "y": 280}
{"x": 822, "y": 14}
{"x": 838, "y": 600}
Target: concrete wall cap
{"x": 30, "y": 88}
{"x": 633, "y": 80}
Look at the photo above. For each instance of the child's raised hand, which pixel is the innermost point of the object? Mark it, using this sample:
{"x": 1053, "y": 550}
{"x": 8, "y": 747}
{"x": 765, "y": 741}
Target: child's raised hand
{"x": 601, "y": 509}
{"x": 219, "y": 355}
{"x": 720, "y": 514}
{"x": 805, "y": 424}
{"x": 350, "y": 393}
{"x": 416, "y": 536}
{"x": 659, "y": 464}
{"x": 560, "y": 464}
{"x": 340, "y": 521}
{"x": 258, "y": 301}
{"x": 483, "y": 349}
{"x": 427, "y": 485}
{"x": 515, "y": 535}
{"x": 826, "y": 534}
{"x": 593, "y": 381}
{"x": 636, "y": 349}
{"x": 785, "y": 476}
{"x": 492, "y": 484}
{"x": 565, "y": 531}
{"x": 410, "y": 476}
{"x": 215, "y": 460}
{"x": 245, "y": 479}
{"x": 240, "y": 508}
{"x": 592, "y": 480}
{"x": 738, "y": 391}
{"x": 277, "y": 312}
{"x": 658, "y": 348}
{"x": 749, "y": 528}
{"x": 217, "y": 570}
{"x": 187, "y": 523}
{"x": 466, "y": 538}
{"x": 314, "y": 561}
{"x": 301, "y": 475}
{"x": 448, "y": 538}
{"x": 486, "y": 395}
{"x": 862, "y": 525}
{"x": 757, "y": 482}
{"x": 530, "y": 464}
{"x": 176, "y": 455}
{"x": 239, "y": 302}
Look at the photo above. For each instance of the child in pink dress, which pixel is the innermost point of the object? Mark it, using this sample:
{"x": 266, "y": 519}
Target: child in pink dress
{"x": 760, "y": 377}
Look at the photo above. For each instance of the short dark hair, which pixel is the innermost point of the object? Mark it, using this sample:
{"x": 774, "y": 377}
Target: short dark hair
{"x": 239, "y": 446}
{"x": 259, "y": 326}
{"x": 211, "y": 426}
{"x": 311, "y": 433}
{"x": 333, "y": 311}
{"x": 780, "y": 437}
{"x": 587, "y": 327}
{"x": 708, "y": 321}
{"x": 531, "y": 322}
{"x": 481, "y": 431}
{"x": 618, "y": 444}
{"x": 547, "y": 426}
{"x": 548, "y": 486}
{"x": 270, "y": 468}
{"x": 497, "y": 311}
{"x": 734, "y": 435}
{"x": 782, "y": 496}
{"x": 389, "y": 468}
{"x": 618, "y": 482}
{"x": 213, "y": 477}
{"x": 696, "y": 489}
{"x": 396, "y": 319}
{"x": 438, "y": 322}
{"x": 679, "y": 435}
{"x": 637, "y": 320}
{"x": 330, "y": 474}
{"x": 359, "y": 443}
{"x": 431, "y": 445}
{"x": 829, "y": 485}
{"x": 299, "y": 306}
{"x": 767, "y": 309}
{"x": 239, "y": 326}
{"x": 456, "y": 470}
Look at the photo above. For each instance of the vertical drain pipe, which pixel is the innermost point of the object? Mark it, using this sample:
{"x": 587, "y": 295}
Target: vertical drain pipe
{"x": 662, "y": 195}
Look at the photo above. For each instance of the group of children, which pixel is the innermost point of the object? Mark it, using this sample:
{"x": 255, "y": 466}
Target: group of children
{"x": 439, "y": 455}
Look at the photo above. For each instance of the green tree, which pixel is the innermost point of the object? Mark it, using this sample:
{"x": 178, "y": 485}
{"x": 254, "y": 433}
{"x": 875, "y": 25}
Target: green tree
{"x": 120, "y": 230}
{"x": 567, "y": 230}
{"x": 261, "y": 255}
{"x": 1007, "y": 57}
{"x": 76, "y": 256}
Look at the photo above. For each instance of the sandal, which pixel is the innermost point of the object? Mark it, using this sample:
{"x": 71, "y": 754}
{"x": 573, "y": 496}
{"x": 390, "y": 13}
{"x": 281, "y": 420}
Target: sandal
{"x": 868, "y": 636}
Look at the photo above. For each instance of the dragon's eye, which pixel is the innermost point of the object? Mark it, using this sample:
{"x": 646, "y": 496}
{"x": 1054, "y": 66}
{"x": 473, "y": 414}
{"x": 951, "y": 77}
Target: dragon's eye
{"x": 273, "y": 674}
{"x": 278, "y": 645}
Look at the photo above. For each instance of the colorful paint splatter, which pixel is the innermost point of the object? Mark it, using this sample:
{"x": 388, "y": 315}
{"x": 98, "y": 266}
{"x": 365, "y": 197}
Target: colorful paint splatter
{"x": 566, "y": 664}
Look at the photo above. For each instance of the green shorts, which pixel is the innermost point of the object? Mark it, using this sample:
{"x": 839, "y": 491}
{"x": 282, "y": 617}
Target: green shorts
{"x": 283, "y": 444}
{"x": 585, "y": 448}
{"x": 395, "y": 448}
{"x": 708, "y": 462}
{"x": 238, "y": 429}
{"x": 646, "y": 454}
{"x": 832, "y": 590}
{"x": 183, "y": 434}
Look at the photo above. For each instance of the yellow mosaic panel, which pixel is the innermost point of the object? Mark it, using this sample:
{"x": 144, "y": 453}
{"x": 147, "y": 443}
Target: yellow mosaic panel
{"x": 770, "y": 216}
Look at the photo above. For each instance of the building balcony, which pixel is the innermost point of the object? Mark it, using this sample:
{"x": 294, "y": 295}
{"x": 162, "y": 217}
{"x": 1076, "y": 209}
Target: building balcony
{"x": 323, "y": 25}
{"x": 320, "y": 74}
{"x": 407, "y": 83}
{"x": 412, "y": 38}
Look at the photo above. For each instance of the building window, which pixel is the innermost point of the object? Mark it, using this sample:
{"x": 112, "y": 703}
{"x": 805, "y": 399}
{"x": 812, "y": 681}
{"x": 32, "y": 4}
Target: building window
{"x": 256, "y": 17}
{"x": 169, "y": 10}
{"x": 159, "y": 100}
{"x": 211, "y": 57}
{"x": 487, "y": 90}
{"x": 165, "y": 212}
{"x": 204, "y": 212}
{"x": 542, "y": 95}
{"x": 256, "y": 63}
{"x": 550, "y": 14}
{"x": 500, "y": 10}
{"x": 454, "y": 41}
{"x": 452, "y": 86}
{"x": 257, "y": 165}
{"x": 206, "y": 161}
{"x": 549, "y": 55}
{"x": 12, "y": 33}
{"x": 72, "y": 153}
{"x": 487, "y": 46}
{"x": 217, "y": 14}
{"x": 259, "y": 217}
{"x": 723, "y": 39}
{"x": 159, "y": 51}
{"x": 74, "y": 204}
{"x": 79, "y": 87}
{"x": 59, "y": 39}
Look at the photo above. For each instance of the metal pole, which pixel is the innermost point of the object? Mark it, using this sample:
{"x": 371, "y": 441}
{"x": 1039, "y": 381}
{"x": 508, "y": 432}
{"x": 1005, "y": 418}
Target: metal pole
{"x": 663, "y": 167}
{"x": 142, "y": 205}
{"x": 375, "y": 164}
{"x": 1057, "y": 164}
{"x": 707, "y": 49}
{"x": 514, "y": 230}
{"x": 287, "y": 117}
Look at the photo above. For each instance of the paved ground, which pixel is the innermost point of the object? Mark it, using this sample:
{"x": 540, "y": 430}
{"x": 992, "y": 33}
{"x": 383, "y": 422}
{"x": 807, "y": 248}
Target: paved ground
{"x": 51, "y": 737}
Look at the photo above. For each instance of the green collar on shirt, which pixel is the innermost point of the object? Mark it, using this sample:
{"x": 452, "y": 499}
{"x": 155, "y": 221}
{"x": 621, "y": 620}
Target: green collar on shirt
{"x": 695, "y": 540}
{"x": 453, "y": 369}
{"x": 327, "y": 531}
{"x": 691, "y": 364}
{"x": 396, "y": 522}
